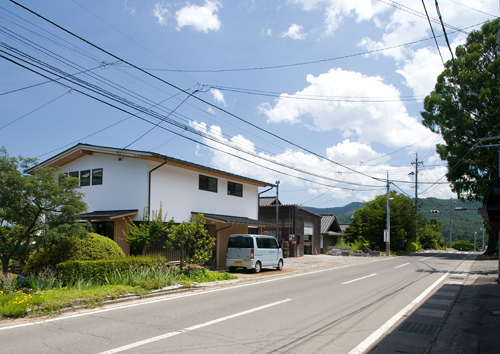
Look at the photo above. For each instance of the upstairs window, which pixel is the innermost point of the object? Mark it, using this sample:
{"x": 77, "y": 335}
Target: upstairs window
{"x": 96, "y": 176}
{"x": 74, "y": 174}
{"x": 235, "y": 189}
{"x": 208, "y": 183}
{"x": 85, "y": 178}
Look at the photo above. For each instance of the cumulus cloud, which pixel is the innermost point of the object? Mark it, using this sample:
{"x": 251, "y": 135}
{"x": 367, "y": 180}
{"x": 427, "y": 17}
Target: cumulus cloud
{"x": 294, "y": 32}
{"x": 350, "y": 105}
{"x": 341, "y": 184}
{"x": 161, "y": 13}
{"x": 201, "y": 18}
{"x": 348, "y": 152}
{"x": 218, "y": 96}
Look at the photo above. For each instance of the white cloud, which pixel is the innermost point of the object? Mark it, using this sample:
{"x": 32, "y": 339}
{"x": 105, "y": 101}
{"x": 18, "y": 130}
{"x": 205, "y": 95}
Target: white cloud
{"x": 348, "y": 152}
{"x": 352, "y": 108}
{"x": 268, "y": 32}
{"x": 294, "y": 32}
{"x": 421, "y": 71}
{"x": 342, "y": 185}
{"x": 202, "y": 18}
{"x": 218, "y": 96}
{"x": 161, "y": 12}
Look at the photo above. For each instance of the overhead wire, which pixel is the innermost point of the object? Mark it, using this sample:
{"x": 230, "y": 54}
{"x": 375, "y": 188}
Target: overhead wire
{"x": 433, "y": 34}
{"x": 174, "y": 86}
{"x": 155, "y": 115}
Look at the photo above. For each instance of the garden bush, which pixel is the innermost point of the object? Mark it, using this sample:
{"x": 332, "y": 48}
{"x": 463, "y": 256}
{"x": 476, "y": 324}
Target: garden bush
{"x": 96, "y": 271}
{"x": 93, "y": 247}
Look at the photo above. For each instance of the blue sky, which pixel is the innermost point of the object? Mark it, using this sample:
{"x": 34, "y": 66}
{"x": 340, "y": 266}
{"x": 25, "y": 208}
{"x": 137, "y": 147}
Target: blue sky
{"x": 310, "y": 92}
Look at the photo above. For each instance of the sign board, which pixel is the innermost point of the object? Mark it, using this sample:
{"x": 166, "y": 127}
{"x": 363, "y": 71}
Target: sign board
{"x": 387, "y": 238}
{"x": 291, "y": 237}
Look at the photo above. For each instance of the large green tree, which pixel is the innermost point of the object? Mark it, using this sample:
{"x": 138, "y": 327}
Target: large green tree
{"x": 34, "y": 206}
{"x": 369, "y": 222}
{"x": 465, "y": 107}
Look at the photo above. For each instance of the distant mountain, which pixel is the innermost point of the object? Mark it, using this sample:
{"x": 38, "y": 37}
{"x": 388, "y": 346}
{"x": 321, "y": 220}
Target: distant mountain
{"x": 465, "y": 222}
{"x": 343, "y": 214}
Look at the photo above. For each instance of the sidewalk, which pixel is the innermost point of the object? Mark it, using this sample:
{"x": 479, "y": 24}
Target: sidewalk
{"x": 470, "y": 326}
{"x": 456, "y": 318}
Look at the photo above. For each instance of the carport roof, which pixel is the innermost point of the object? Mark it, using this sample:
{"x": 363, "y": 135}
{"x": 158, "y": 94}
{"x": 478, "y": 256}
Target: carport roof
{"x": 107, "y": 214}
{"x": 234, "y": 219}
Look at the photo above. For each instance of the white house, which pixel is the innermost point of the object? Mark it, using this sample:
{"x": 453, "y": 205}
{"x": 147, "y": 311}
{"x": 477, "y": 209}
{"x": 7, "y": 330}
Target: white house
{"x": 119, "y": 183}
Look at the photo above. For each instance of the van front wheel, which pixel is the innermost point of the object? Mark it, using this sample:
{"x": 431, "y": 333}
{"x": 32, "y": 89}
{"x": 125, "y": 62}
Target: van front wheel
{"x": 280, "y": 265}
{"x": 257, "y": 268}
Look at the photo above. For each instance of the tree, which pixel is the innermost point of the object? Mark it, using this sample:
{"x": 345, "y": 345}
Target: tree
{"x": 35, "y": 206}
{"x": 370, "y": 221}
{"x": 465, "y": 107}
{"x": 193, "y": 240}
{"x": 429, "y": 235}
{"x": 143, "y": 234}
{"x": 463, "y": 245}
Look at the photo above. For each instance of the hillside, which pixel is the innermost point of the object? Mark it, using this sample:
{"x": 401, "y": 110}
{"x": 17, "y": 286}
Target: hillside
{"x": 464, "y": 222}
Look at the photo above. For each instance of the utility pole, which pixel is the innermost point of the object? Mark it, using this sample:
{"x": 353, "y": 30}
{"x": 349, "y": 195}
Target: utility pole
{"x": 388, "y": 240}
{"x": 450, "y": 222}
{"x": 416, "y": 163}
{"x": 277, "y": 211}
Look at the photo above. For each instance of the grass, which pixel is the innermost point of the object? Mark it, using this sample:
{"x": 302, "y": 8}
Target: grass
{"x": 45, "y": 294}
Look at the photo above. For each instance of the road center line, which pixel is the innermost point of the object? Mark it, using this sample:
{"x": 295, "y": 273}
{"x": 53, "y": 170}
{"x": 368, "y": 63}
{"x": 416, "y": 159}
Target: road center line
{"x": 189, "y": 329}
{"x": 352, "y": 281}
{"x": 361, "y": 347}
{"x": 402, "y": 265}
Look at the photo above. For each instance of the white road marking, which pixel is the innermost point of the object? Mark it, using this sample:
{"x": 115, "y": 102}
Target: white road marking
{"x": 423, "y": 259}
{"x": 372, "y": 338}
{"x": 352, "y": 281}
{"x": 402, "y": 265}
{"x": 172, "y": 297}
{"x": 189, "y": 329}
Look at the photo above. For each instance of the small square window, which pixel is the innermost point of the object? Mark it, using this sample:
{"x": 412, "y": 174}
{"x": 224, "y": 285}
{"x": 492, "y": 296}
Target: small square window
{"x": 85, "y": 178}
{"x": 208, "y": 183}
{"x": 235, "y": 189}
{"x": 97, "y": 176}
{"x": 74, "y": 174}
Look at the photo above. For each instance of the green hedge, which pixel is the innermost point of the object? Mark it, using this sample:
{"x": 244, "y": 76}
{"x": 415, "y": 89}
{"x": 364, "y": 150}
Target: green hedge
{"x": 95, "y": 270}
{"x": 93, "y": 247}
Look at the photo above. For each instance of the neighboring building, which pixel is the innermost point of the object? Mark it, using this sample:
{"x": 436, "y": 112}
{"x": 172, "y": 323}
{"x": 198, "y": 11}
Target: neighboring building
{"x": 330, "y": 231}
{"x": 299, "y": 226}
{"x": 119, "y": 183}
{"x": 265, "y": 201}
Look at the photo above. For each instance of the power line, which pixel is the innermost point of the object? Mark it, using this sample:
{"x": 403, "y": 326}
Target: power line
{"x": 201, "y": 100}
{"x": 36, "y": 109}
{"x": 433, "y": 34}
{"x": 157, "y": 116}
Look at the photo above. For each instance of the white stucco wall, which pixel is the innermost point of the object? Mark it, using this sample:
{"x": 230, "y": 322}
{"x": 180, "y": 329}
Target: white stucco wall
{"x": 178, "y": 190}
{"x": 125, "y": 186}
{"x": 125, "y": 183}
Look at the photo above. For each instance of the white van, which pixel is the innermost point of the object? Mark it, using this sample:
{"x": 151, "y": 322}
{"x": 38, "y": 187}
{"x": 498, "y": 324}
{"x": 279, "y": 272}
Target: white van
{"x": 253, "y": 252}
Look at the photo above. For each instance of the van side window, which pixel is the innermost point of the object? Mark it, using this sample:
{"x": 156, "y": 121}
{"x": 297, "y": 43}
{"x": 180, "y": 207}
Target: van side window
{"x": 273, "y": 242}
{"x": 260, "y": 242}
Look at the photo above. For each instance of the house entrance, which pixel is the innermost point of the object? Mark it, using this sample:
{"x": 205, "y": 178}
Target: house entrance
{"x": 104, "y": 228}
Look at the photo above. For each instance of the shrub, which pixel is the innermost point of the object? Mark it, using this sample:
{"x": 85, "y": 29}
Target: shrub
{"x": 93, "y": 247}
{"x": 413, "y": 247}
{"x": 97, "y": 271}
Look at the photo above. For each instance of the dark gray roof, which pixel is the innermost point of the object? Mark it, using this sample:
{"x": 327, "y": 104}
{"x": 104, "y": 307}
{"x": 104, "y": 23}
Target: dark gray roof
{"x": 264, "y": 201}
{"x": 107, "y": 214}
{"x": 329, "y": 223}
{"x": 343, "y": 226}
{"x": 236, "y": 219}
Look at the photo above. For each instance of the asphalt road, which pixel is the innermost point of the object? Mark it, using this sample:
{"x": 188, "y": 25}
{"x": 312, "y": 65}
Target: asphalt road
{"x": 331, "y": 310}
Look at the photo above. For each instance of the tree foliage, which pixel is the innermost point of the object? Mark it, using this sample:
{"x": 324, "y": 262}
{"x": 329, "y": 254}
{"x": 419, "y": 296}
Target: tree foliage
{"x": 463, "y": 245}
{"x": 193, "y": 240}
{"x": 464, "y": 107}
{"x": 147, "y": 231}
{"x": 429, "y": 235}
{"x": 35, "y": 206}
{"x": 369, "y": 222}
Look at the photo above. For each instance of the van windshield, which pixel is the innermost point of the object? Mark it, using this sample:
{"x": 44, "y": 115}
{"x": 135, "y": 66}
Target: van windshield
{"x": 240, "y": 242}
